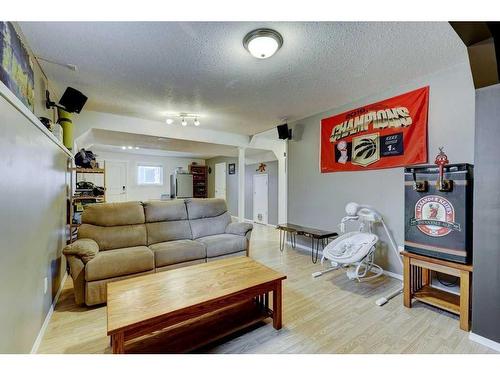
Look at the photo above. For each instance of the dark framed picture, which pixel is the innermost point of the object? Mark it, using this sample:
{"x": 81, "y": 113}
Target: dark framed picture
{"x": 232, "y": 168}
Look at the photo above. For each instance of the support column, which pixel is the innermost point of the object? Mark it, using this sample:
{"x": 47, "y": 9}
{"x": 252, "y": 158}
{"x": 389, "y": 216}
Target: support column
{"x": 241, "y": 184}
{"x": 282, "y": 156}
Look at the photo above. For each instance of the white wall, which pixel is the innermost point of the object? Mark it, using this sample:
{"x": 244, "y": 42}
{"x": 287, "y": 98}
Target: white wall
{"x": 318, "y": 200}
{"x": 142, "y": 193}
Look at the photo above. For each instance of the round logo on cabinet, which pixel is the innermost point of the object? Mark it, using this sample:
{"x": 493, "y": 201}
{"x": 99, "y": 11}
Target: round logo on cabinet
{"x": 435, "y": 216}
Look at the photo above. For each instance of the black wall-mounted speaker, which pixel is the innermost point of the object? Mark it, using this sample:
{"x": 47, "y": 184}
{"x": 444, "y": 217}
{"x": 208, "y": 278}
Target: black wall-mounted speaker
{"x": 284, "y": 132}
{"x": 73, "y": 100}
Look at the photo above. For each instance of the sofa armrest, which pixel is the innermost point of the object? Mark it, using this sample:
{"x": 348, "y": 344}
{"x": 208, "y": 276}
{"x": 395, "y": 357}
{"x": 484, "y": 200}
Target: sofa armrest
{"x": 84, "y": 248}
{"x": 241, "y": 229}
{"x": 77, "y": 272}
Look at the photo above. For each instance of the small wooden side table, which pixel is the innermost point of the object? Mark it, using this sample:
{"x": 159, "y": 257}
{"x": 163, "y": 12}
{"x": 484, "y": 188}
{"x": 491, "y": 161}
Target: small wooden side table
{"x": 417, "y": 284}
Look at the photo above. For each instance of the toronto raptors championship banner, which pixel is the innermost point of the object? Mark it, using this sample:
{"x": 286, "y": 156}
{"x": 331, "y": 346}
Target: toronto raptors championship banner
{"x": 390, "y": 133}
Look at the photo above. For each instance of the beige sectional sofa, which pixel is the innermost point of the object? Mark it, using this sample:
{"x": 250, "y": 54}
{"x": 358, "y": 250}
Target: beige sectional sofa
{"x": 122, "y": 240}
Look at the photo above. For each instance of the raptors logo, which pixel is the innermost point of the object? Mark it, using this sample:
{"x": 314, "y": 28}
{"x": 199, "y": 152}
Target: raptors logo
{"x": 435, "y": 216}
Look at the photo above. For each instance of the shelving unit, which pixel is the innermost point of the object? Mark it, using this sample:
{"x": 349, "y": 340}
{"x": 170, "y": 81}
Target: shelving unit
{"x": 200, "y": 180}
{"x": 76, "y": 202}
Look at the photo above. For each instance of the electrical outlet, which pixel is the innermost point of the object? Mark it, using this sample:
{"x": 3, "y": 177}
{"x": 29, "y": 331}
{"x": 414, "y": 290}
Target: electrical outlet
{"x": 45, "y": 285}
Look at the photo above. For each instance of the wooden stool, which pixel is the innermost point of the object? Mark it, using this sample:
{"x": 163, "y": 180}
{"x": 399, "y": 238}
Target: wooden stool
{"x": 417, "y": 284}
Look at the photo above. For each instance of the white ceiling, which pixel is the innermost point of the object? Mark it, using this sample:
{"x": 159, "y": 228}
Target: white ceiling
{"x": 113, "y": 141}
{"x": 148, "y": 69}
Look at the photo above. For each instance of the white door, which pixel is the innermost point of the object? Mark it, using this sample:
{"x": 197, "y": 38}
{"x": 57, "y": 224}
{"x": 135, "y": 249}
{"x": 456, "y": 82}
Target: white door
{"x": 116, "y": 181}
{"x": 260, "y": 198}
{"x": 220, "y": 180}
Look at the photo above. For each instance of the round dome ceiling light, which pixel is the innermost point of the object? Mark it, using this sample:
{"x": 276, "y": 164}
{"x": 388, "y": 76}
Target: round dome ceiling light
{"x": 169, "y": 121}
{"x": 263, "y": 43}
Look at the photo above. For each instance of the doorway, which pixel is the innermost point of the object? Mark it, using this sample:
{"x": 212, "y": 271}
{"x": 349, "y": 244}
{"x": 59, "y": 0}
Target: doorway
{"x": 220, "y": 180}
{"x": 116, "y": 181}
{"x": 260, "y": 198}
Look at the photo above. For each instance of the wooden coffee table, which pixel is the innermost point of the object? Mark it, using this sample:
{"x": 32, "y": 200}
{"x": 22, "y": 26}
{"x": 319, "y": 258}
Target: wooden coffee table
{"x": 192, "y": 306}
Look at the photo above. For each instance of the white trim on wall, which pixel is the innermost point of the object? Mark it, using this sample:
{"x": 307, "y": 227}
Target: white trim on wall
{"x": 393, "y": 275}
{"x": 484, "y": 341}
{"x": 45, "y": 324}
{"x": 235, "y": 218}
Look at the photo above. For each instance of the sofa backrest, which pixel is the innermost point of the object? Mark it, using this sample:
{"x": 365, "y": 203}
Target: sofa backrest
{"x": 167, "y": 221}
{"x": 114, "y": 225}
{"x": 207, "y": 216}
{"x": 127, "y": 224}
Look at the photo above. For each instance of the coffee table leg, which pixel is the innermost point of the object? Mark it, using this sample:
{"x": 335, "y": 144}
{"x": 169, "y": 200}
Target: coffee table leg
{"x": 118, "y": 342}
{"x": 277, "y": 305}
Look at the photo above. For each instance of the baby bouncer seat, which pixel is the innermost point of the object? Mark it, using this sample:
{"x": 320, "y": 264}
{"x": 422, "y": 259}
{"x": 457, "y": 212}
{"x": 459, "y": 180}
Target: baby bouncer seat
{"x": 355, "y": 251}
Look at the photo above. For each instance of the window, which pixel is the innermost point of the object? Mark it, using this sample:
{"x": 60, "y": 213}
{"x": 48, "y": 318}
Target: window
{"x": 149, "y": 175}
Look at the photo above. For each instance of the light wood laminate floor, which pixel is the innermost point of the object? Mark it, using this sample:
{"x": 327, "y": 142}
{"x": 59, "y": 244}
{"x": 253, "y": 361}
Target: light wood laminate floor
{"x": 330, "y": 314}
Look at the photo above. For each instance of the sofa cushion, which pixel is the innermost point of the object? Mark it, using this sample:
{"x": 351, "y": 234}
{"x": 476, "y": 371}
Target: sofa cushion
{"x": 221, "y": 244}
{"x": 119, "y": 262}
{"x": 115, "y": 237}
{"x": 203, "y": 208}
{"x": 173, "y": 210}
{"x": 210, "y": 225}
{"x": 113, "y": 214}
{"x": 173, "y": 252}
{"x": 168, "y": 231}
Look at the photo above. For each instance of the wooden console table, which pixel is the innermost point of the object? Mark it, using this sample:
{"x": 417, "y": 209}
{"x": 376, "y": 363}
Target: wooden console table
{"x": 417, "y": 284}
{"x": 317, "y": 237}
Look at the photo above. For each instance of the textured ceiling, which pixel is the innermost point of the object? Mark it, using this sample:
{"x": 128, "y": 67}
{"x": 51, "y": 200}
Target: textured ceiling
{"x": 148, "y": 69}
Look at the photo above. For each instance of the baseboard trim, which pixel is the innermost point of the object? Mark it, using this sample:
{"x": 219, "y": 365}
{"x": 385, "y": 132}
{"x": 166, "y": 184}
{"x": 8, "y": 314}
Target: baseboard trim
{"x": 484, "y": 341}
{"x": 305, "y": 248}
{"x": 39, "y": 338}
{"x": 393, "y": 275}
{"x": 236, "y": 218}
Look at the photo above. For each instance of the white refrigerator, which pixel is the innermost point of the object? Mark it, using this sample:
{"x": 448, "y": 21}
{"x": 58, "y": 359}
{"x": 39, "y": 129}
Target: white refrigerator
{"x": 181, "y": 185}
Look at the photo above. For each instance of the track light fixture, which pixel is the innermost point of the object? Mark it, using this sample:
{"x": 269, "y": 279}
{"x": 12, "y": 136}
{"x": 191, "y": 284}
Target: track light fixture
{"x": 184, "y": 119}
